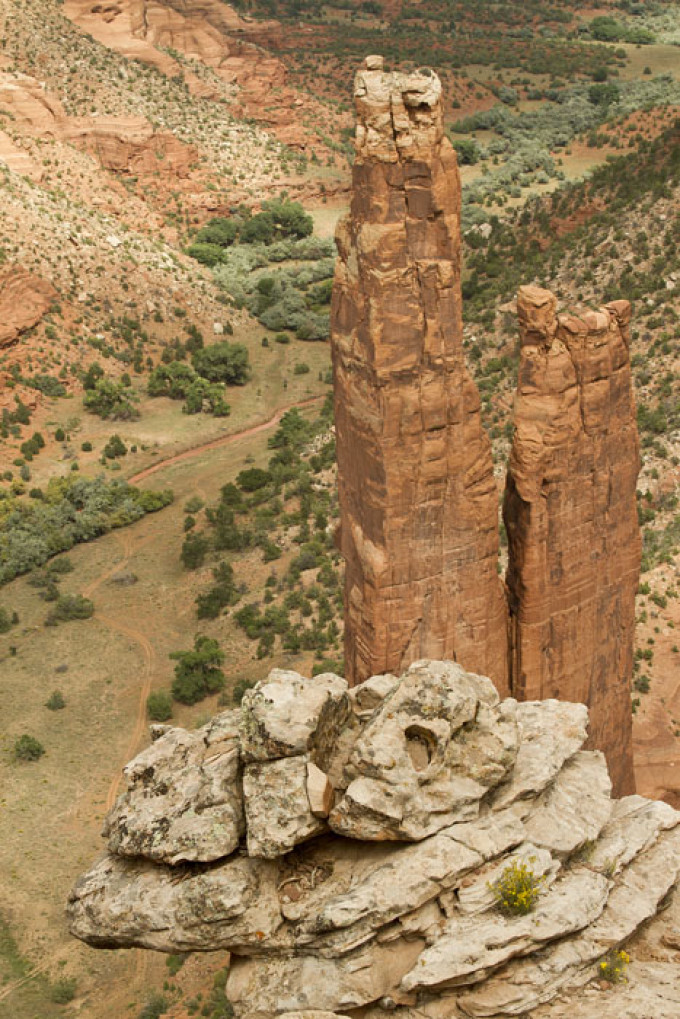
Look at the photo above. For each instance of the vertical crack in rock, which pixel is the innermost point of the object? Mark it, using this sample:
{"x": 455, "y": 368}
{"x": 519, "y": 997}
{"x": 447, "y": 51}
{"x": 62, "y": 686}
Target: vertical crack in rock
{"x": 417, "y": 493}
{"x": 571, "y": 518}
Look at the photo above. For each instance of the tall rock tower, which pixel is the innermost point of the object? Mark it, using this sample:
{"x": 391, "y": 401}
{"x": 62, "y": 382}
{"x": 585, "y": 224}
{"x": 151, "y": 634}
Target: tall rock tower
{"x": 418, "y": 498}
{"x": 571, "y": 517}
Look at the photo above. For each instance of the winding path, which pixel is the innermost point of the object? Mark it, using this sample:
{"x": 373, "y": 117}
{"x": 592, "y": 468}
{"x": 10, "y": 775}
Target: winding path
{"x": 147, "y": 649}
{"x": 223, "y": 440}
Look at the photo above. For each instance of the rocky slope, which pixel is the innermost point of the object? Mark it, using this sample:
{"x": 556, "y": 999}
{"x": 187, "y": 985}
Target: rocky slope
{"x": 571, "y": 518}
{"x": 466, "y": 784}
{"x": 415, "y": 475}
{"x": 181, "y": 38}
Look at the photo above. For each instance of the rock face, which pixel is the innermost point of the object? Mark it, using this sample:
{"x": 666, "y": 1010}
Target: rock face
{"x": 130, "y": 145}
{"x": 24, "y": 299}
{"x": 339, "y": 924}
{"x": 211, "y": 33}
{"x": 184, "y": 799}
{"x": 417, "y": 493}
{"x": 571, "y": 518}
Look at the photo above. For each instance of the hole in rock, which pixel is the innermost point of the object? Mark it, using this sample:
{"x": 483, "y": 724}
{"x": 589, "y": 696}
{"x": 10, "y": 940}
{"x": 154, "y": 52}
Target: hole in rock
{"x": 420, "y": 745}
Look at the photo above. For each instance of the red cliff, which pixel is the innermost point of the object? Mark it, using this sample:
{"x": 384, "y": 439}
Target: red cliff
{"x": 570, "y": 512}
{"x": 417, "y": 492}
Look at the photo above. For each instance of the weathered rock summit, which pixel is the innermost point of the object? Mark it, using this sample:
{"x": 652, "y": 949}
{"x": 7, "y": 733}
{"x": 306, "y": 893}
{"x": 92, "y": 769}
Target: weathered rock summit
{"x": 418, "y": 499}
{"x": 346, "y": 856}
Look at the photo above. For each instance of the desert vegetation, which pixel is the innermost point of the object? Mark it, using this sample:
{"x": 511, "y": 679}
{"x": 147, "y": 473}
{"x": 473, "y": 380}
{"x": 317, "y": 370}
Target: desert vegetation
{"x": 180, "y": 305}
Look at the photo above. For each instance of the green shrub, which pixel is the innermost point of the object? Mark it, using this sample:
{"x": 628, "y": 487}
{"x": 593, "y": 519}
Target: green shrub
{"x": 175, "y": 962}
{"x": 467, "y": 151}
{"x": 156, "y": 1006}
{"x": 198, "y": 672}
{"x": 159, "y": 706}
{"x": 111, "y": 400}
{"x": 70, "y": 606}
{"x": 253, "y": 479}
{"x": 517, "y": 889}
{"x": 194, "y": 550}
{"x": 63, "y": 990}
{"x": 114, "y": 448}
{"x": 210, "y": 604}
{"x": 28, "y": 748}
{"x": 223, "y": 362}
{"x": 5, "y": 621}
{"x": 240, "y": 688}
{"x": 206, "y": 254}
{"x": 55, "y": 702}
{"x": 335, "y": 665}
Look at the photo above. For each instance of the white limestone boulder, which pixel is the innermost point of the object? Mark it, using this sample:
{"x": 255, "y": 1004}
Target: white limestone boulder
{"x": 279, "y": 813}
{"x": 280, "y": 716}
{"x": 438, "y": 742}
{"x": 184, "y": 799}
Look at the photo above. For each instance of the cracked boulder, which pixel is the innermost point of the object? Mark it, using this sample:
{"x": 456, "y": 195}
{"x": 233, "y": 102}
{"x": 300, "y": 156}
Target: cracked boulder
{"x": 287, "y": 715}
{"x": 184, "y": 799}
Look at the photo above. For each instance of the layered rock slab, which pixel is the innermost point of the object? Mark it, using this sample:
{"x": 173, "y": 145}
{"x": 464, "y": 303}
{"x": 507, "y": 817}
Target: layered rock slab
{"x": 571, "y": 517}
{"x": 418, "y": 501}
{"x": 335, "y": 924}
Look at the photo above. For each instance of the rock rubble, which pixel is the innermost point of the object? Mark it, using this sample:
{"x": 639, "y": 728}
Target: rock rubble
{"x": 331, "y": 900}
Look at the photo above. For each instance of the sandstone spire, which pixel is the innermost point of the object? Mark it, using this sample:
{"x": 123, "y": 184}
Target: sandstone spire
{"x": 417, "y": 493}
{"x": 571, "y": 517}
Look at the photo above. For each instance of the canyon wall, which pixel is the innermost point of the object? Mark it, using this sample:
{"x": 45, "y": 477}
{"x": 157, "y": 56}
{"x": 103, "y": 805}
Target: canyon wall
{"x": 571, "y": 517}
{"x": 418, "y": 498}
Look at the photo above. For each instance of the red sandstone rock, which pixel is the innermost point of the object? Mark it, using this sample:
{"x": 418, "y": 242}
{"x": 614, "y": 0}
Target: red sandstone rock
{"x": 209, "y": 31}
{"x": 417, "y": 493}
{"x": 570, "y": 512}
{"x": 24, "y": 299}
{"x": 130, "y": 145}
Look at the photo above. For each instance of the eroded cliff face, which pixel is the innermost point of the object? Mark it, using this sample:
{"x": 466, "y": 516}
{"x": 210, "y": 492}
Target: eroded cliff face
{"x": 571, "y": 518}
{"x": 24, "y": 299}
{"x": 417, "y": 492}
{"x": 211, "y": 33}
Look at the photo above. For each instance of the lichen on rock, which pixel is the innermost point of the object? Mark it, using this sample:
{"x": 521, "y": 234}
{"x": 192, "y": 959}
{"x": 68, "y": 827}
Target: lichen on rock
{"x": 403, "y": 908}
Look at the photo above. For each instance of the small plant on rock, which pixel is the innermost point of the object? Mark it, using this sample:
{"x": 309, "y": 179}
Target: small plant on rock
{"x": 517, "y": 889}
{"x": 614, "y": 966}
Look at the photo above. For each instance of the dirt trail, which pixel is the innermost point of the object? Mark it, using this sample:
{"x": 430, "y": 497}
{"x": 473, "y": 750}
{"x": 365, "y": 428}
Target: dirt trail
{"x": 223, "y": 440}
{"x": 125, "y": 540}
{"x": 10, "y": 988}
{"x": 140, "y": 718}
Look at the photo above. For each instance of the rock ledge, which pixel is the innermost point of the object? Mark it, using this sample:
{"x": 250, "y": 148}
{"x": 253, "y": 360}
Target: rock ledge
{"x": 349, "y": 864}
